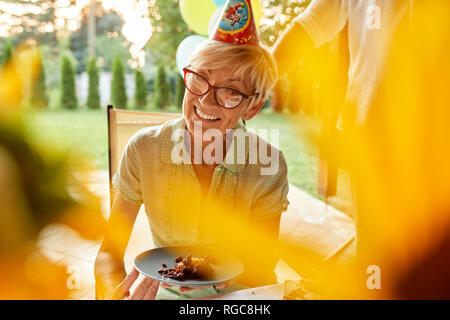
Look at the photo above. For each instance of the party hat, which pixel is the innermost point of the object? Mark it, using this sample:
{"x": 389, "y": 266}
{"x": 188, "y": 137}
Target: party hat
{"x": 237, "y": 25}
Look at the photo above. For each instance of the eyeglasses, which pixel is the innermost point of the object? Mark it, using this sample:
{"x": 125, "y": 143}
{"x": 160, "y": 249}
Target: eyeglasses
{"x": 225, "y": 97}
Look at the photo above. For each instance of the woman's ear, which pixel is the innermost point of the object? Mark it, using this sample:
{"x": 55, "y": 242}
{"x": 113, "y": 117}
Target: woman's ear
{"x": 253, "y": 110}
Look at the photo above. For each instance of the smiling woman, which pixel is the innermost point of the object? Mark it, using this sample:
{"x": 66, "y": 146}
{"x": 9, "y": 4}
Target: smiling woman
{"x": 199, "y": 203}
{"x": 230, "y": 203}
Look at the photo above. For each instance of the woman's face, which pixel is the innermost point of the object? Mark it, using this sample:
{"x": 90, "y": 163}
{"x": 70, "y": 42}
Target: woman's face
{"x": 195, "y": 106}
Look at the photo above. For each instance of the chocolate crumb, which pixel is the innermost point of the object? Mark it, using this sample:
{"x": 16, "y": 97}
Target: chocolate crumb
{"x": 186, "y": 268}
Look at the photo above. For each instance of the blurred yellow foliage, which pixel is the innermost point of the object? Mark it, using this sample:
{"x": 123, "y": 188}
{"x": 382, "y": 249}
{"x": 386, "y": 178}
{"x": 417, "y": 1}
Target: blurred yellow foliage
{"x": 36, "y": 188}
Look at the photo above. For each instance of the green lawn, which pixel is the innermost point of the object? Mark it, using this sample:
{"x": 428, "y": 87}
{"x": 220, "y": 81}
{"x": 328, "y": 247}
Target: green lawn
{"x": 81, "y": 132}
{"x": 85, "y": 133}
{"x": 301, "y": 152}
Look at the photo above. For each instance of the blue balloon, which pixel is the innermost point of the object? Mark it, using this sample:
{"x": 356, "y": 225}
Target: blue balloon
{"x": 185, "y": 50}
{"x": 219, "y": 2}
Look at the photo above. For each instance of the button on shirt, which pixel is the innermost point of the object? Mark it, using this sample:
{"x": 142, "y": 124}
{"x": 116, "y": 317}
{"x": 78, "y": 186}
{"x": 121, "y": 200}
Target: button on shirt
{"x": 177, "y": 211}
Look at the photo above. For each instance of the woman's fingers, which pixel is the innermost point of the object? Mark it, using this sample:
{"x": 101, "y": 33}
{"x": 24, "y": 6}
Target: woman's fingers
{"x": 152, "y": 291}
{"x": 141, "y": 290}
{"x": 223, "y": 285}
{"x": 123, "y": 288}
{"x": 187, "y": 289}
{"x": 182, "y": 289}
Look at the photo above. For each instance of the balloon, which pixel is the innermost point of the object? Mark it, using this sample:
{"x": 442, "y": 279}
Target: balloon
{"x": 220, "y": 2}
{"x": 213, "y": 20}
{"x": 185, "y": 50}
{"x": 196, "y": 14}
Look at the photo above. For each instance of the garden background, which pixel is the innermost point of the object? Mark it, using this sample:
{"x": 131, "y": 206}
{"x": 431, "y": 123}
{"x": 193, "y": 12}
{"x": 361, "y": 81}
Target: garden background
{"x": 95, "y": 53}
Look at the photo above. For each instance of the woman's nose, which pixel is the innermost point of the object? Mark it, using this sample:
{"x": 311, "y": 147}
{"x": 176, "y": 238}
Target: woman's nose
{"x": 208, "y": 99}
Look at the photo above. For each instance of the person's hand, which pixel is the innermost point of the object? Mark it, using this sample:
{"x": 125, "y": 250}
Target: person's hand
{"x": 145, "y": 290}
{"x": 221, "y": 286}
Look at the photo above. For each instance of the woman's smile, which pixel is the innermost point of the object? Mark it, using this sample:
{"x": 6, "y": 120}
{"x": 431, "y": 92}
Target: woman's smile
{"x": 205, "y": 116}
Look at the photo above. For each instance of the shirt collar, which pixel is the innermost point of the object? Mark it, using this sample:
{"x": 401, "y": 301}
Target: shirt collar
{"x": 231, "y": 158}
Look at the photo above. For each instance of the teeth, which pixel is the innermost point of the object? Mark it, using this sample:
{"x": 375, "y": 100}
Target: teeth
{"x": 205, "y": 116}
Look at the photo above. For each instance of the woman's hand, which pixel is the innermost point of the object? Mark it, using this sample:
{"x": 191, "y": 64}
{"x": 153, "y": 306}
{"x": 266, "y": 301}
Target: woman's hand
{"x": 145, "y": 290}
{"x": 221, "y": 286}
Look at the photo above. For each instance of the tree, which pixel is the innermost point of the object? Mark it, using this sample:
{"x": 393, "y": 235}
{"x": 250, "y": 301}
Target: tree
{"x": 36, "y": 21}
{"x": 169, "y": 29}
{"x": 93, "y": 99}
{"x": 108, "y": 48}
{"x": 109, "y": 40}
{"x": 179, "y": 91}
{"x": 7, "y": 52}
{"x": 39, "y": 96}
{"x": 68, "y": 90}
{"x": 38, "y": 24}
{"x": 161, "y": 91}
{"x": 140, "y": 93}
{"x": 280, "y": 14}
{"x": 118, "y": 89}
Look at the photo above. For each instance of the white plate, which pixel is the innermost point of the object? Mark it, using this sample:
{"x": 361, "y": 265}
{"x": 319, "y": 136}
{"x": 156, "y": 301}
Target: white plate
{"x": 226, "y": 267}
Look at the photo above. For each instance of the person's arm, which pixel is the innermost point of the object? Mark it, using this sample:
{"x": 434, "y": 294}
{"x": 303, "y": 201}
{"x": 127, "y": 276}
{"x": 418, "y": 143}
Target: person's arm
{"x": 319, "y": 23}
{"x": 109, "y": 265}
{"x": 293, "y": 46}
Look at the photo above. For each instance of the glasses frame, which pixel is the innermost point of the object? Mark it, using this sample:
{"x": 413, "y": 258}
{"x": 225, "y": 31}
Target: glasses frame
{"x": 210, "y": 86}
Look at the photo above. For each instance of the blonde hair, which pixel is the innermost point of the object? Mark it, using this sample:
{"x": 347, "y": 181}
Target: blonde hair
{"x": 250, "y": 62}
